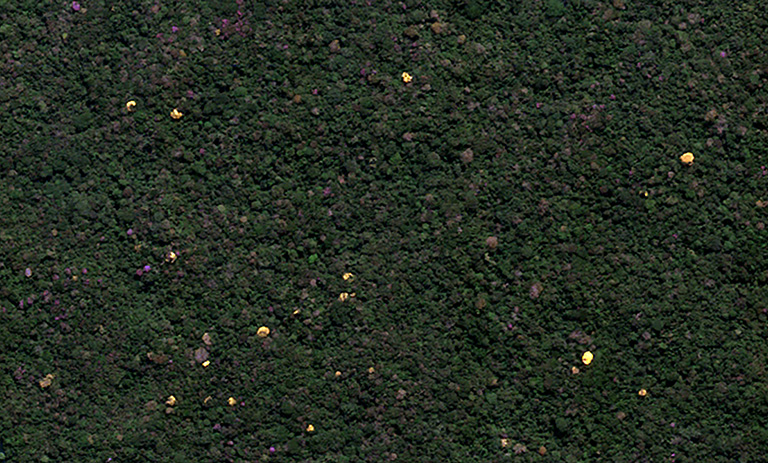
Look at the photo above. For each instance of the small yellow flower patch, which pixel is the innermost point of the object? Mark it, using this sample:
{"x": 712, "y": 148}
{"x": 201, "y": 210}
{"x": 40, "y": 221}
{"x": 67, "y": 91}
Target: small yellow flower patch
{"x": 171, "y": 401}
{"x": 263, "y": 332}
{"x": 642, "y": 392}
{"x": 310, "y": 428}
{"x": 348, "y": 276}
{"x": 206, "y": 363}
{"x": 232, "y": 402}
{"x": 687, "y": 158}
{"x": 130, "y": 106}
{"x": 587, "y": 357}
{"x": 45, "y": 382}
{"x": 407, "y": 77}
{"x": 176, "y": 114}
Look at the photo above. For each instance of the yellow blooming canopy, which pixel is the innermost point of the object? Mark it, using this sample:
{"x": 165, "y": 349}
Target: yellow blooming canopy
{"x": 310, "y": 428}
{"x": 263, "y": 332}
{"x": 130, "y": 105}
{"x": 407, "y": 77}
{"x": 232, "y": 402}
{"x": 171, "y": 401}
{"x": 642, "y": 392}
{"x": 687, "y": 158}
{"x": 587, "y": 357}
{"x": 45, "y": 382}
{"x": 176, "y": 114}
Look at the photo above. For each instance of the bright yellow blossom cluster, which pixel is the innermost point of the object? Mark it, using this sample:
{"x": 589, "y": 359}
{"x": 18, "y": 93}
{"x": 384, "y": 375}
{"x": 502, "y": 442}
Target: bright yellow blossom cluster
{"x": 45, "y": 382}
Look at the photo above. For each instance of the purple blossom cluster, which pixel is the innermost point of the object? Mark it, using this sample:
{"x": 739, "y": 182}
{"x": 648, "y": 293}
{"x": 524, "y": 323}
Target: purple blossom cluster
{"x": 46, "y": 295}
{"x": 146, "y": 269}
{"x": 239, "y": 25}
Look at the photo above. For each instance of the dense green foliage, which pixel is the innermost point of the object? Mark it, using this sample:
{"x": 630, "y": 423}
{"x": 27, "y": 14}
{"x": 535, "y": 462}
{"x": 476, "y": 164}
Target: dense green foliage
{"x": 519, "y": 202}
